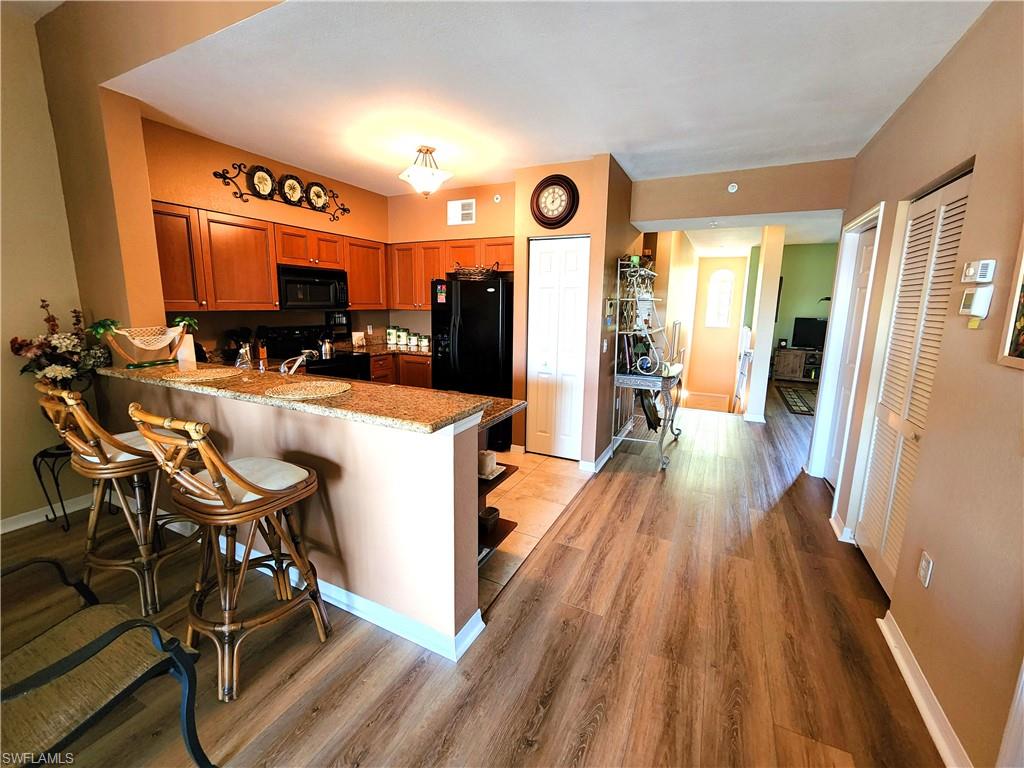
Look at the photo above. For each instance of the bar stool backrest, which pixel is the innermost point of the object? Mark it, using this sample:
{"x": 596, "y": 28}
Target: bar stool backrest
{"x": 79, "y": 429}
{"x": 173, "y": 453}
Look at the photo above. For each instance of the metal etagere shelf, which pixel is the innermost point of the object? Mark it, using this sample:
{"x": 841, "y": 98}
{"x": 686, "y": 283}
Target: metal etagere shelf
{"x": 648, "y": 366}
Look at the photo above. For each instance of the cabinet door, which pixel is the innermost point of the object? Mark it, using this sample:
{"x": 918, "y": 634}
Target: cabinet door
{"x": 240, "y": 262}
{"x": 431, "y": 257}
{"x": 293, "y": 246}
{"x": 328, "y": 251}
{"x": 404, "y": 270}
{"x": 382, "y": 369}
{"x": 465, "y": 253}
{"x": 367, "y": 274}
{"x": 500, "y": 251}
{"x": 180, "y": 251}
{"x": 414, "y": 371}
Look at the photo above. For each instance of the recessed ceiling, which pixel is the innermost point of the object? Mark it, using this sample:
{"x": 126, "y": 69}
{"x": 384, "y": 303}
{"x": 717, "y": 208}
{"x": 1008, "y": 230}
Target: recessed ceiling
{"x": 351, "y": 89}
{"x": 736, "y": 235}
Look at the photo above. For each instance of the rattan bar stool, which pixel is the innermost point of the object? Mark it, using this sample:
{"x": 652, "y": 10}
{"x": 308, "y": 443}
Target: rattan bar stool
{"x": 111, "y": 459}
{"x": 257, "y": 492}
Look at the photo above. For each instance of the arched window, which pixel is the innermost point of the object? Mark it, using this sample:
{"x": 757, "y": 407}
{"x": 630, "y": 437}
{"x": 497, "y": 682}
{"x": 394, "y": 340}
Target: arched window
{"x": 719, "y": 303}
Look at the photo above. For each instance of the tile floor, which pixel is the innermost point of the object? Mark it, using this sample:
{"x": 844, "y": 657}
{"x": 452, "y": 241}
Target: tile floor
{"x": 534, "y": 498}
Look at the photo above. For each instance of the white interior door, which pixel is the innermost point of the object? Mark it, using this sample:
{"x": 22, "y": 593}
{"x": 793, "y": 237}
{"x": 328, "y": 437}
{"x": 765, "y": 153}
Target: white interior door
{"x": 851, "y": 352}
{"x": 556, "y": 342}
{"x": 923, "y": 296}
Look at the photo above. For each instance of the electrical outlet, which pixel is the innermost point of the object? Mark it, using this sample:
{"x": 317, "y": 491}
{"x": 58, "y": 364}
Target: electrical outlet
{"x": 924, "y": 569}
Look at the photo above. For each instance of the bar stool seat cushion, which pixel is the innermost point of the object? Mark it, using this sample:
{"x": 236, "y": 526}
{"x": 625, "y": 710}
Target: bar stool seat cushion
{"x": 132, "y": 439}
{"x": 272, "y": 474}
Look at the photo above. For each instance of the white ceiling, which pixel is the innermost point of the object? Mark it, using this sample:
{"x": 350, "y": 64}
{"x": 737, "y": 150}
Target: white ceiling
{"x": 736, "y": 235}
{"x": 350, "y": 89}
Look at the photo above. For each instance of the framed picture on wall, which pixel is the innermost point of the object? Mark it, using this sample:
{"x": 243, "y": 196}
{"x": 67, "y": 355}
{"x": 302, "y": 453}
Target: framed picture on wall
{"x": 1011, "y": 350}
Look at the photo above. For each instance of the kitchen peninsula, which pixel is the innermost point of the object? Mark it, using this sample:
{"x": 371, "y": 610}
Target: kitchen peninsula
{"x": 393, "y": 529}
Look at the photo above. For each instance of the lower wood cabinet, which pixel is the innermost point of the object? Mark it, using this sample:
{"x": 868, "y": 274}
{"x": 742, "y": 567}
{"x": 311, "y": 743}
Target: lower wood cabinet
{"x": 414, "y": 371}
{"x": 180, "y": 250}
{"x": 239, "y": 259}
{"x": 382, "y": 369}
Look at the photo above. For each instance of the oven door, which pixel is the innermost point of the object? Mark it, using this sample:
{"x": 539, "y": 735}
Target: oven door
{"x": 312, "y": 288}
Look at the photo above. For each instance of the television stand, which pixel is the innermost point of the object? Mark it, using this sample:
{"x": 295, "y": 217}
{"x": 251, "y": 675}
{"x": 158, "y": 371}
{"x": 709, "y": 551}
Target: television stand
{"x": 796, "y": 364}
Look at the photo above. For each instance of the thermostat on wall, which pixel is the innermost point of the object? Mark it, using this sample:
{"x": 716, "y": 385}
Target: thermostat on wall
{"x": 979, "y": 271}
{"x": 976, "y": 301}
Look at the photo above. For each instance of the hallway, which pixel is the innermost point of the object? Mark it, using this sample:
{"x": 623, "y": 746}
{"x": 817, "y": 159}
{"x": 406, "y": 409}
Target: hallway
{"x": 701, "y": 616}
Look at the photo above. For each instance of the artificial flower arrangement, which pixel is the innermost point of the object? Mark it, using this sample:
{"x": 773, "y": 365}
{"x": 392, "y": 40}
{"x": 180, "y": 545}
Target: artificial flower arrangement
{"x": 60, "y": 357}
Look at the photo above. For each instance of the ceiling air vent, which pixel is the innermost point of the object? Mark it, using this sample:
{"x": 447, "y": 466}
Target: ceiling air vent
{"x": 461, "y": 212}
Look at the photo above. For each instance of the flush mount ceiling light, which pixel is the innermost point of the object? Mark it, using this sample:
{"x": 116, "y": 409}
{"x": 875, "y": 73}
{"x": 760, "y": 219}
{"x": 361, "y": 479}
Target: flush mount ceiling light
{"x": 423, "y": 175}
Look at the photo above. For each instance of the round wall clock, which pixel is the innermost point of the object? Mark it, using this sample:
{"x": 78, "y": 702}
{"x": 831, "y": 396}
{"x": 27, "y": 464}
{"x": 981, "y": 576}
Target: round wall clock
{"x": 290, "y": 189}
{"x": 260, "y": 181}
{"x": 554, "y": 201}
{"x": 316, "y": 196}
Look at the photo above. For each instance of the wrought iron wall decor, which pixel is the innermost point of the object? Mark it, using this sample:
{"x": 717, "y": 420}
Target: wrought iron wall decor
{"x": 333, "y": 207}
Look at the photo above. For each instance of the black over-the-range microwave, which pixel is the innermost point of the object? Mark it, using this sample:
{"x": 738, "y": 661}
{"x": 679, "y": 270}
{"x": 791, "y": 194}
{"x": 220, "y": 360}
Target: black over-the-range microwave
{"x": 302, "y": 288}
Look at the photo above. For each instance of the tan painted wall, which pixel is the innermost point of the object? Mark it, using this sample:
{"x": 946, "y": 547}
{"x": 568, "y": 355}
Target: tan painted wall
{"x": 816, "y": 186}
{"x": 713, "y": 353}
{"x": 411, "y": 218}
{"x": 82, "y": 45}
{"x": 681, "y": 298}
{"x": 181, "y": 166}
{"x": 592, "y": 180}
{"x": 36, "y": 256}
{"x": 967, "y": 504}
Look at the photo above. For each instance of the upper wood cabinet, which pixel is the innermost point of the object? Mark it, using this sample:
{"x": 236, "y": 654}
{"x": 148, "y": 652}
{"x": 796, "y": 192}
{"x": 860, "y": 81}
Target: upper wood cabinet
{"x": 239, "y": 259}
{"x": 411, "y": 267}
{"x": 500, "y": 251}
{"x": 367, "y": 274}
{"x": 298, "y": 247}
{"x": 465, "y": 253}
{"x": 180, "y": 251}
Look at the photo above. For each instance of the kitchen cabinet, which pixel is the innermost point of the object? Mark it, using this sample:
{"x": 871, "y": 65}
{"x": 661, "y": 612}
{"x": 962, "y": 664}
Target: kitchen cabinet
{"x": 367, "y": 274}
{"x": 180, "y": 251}
{"x": 411, "y": 267}
{"x": 414, "y": 371}
{"x": 298, "y": 247}
{"x": 465, "y": 253}
{"x": 500, "y": 251}
{"x": 382, "y": 369}
{"x": 239, "y": 261}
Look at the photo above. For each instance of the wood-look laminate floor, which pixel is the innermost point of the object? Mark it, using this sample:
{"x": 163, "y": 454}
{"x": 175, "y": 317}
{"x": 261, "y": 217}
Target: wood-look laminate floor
{"x": 701, "y": 616}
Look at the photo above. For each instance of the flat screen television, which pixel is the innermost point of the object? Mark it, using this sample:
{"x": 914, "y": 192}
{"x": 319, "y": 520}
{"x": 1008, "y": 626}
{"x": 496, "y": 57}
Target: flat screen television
{"x": 809, "y": 333}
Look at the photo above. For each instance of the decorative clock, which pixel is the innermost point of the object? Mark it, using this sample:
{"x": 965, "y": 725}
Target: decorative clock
{"x": 555, "y": 201}
{"x": 290, "y": 188}
{"x": 261, "y": 182}
{"x": 316, "y": 196}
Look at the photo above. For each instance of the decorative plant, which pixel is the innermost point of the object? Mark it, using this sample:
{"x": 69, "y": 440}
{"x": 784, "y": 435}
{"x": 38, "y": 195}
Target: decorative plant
{"x": 101, "y": 327}
{"x": 190, "y": 323}
{"x": 60, "y": 357}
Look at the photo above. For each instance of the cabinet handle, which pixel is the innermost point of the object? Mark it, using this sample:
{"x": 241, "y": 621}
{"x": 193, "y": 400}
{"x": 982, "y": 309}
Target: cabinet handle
{"x": 316, "y": 261}
{"x": 275, "y": 303}
{"x": 202, "y": 303}
{"x": 310, "y": 261}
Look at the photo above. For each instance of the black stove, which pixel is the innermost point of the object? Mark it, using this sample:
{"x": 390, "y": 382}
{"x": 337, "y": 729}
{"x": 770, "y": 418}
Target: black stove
{"x": 289, "y": 341}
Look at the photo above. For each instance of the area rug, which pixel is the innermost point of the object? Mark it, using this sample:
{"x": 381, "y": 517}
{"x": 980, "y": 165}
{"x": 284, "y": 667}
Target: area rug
{"x": 798, "y": 400}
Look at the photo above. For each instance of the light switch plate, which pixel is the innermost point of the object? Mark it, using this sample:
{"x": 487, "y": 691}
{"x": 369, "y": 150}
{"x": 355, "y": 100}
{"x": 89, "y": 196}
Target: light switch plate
{"x": 924, "y": 569}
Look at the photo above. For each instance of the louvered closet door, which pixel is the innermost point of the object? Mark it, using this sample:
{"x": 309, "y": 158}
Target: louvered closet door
{"x": 923, "y": 295}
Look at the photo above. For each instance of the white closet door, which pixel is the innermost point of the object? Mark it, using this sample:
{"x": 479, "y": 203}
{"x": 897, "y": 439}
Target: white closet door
{"x": 556, "y": 345}
{"x": 923, "y": 294}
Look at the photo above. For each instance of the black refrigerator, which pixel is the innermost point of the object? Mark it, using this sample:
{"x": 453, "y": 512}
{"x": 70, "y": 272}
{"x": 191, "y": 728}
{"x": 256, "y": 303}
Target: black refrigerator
{"x": 471, "y": 325}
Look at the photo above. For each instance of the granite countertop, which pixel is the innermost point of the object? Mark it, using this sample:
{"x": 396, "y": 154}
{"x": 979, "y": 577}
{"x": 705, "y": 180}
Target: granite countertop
{"x": 500, "y": 409}
{"x": 391, "y": 405}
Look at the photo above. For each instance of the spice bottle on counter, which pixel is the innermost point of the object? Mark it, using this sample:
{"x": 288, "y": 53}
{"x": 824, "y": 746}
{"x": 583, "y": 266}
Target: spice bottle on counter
{"x": 403, "y": 336}
{"x": 392, "y": 334}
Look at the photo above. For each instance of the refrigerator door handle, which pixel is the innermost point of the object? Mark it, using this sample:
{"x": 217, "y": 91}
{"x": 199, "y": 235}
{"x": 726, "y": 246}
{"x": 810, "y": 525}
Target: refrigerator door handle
{"x": 454, "y": 346}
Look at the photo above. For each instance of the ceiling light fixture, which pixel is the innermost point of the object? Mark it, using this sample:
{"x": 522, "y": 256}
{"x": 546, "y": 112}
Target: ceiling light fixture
{"x": 423, "y": 175}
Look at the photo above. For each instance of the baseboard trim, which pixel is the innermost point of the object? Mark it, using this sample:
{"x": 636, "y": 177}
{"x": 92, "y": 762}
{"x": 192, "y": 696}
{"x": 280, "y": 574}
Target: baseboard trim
{"x": 386, "y": 618}
{"x": 842, "y": 533}
{"x": 33, "y": 516}
{"x": 946, "y": 741}
{"x": 593, "y": 467}
{"x": 517, "y": 448}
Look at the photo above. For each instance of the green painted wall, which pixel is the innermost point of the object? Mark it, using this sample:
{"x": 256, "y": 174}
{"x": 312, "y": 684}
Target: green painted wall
{"x": 807, "y": 274}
